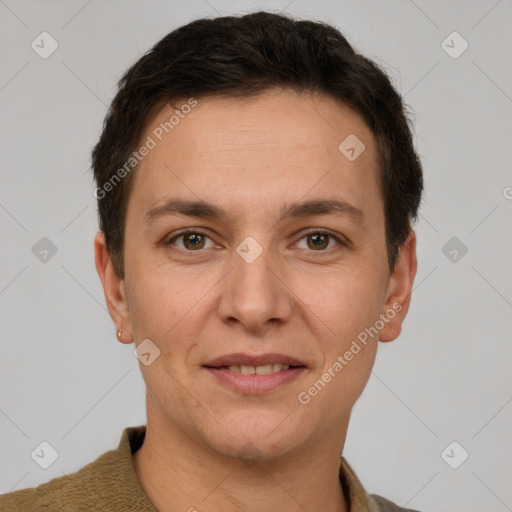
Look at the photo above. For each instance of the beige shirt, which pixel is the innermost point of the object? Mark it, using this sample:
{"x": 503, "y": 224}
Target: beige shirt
{"x": 110, "y": 484}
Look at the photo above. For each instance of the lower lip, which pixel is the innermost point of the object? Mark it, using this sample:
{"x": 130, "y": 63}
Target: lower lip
{"x": 255, "y": 384}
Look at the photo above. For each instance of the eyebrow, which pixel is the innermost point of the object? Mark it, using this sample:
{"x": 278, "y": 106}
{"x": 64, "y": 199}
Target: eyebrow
{"x": 205, "y": 210}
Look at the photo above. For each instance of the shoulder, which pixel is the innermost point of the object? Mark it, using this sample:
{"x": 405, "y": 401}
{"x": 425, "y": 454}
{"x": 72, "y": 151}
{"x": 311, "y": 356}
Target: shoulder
{"x": 18, "y": 501}
{"x": 51, "y": 496}
{"x": 81, "y": 490}
{"x": 385, "y": 505}
{"x": 360, "y": 499}
{"x": 108, "y": 483}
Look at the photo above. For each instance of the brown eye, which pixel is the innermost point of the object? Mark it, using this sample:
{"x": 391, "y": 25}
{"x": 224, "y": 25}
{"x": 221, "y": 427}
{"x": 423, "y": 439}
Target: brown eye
{"x": 192, "y": 240}
{"x": 319, "y": 241}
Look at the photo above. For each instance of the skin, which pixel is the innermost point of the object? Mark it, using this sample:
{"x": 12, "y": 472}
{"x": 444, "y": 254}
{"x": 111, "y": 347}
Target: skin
{"x": 252, "y": 157}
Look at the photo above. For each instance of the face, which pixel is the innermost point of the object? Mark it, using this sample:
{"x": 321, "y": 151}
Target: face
{"x": 286, "y": 265}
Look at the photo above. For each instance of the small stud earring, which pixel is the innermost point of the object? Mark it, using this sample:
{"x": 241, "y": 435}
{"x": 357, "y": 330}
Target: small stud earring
{"x": 119, "y": 333}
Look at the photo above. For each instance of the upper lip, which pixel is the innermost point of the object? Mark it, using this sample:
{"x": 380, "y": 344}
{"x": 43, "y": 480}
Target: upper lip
{"x": 240, "y": 359}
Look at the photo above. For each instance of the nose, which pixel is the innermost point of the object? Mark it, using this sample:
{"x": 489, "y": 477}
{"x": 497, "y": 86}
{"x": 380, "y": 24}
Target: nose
{"x": 255, "y": 292}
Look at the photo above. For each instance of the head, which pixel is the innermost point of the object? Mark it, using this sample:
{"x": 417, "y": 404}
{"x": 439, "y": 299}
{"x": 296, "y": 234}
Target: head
{"x": 302, "y": 149}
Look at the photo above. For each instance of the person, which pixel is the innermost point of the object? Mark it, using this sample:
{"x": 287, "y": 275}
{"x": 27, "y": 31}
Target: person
{"x": 257, "y": 184}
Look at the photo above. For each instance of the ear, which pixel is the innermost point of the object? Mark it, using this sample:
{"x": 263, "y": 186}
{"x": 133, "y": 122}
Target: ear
{"x": 113, "y": 288}
{"x": 398, "y": 294}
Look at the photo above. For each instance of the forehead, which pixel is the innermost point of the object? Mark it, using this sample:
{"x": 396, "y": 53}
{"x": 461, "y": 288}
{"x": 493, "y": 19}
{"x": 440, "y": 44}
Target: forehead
{"x": 277, "y": 145}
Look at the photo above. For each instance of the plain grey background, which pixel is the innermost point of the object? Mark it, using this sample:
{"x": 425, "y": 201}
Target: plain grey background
{"x": 65, "y": 379}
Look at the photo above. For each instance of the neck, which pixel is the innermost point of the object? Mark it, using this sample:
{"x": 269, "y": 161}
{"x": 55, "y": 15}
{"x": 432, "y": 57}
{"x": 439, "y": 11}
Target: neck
{"x": 178, "y": 474}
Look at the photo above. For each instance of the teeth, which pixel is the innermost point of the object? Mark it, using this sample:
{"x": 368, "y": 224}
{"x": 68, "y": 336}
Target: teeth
{"x": 247, "y": 370}
{"x": 259, "y": 370}
{"x": 264, "y": 370}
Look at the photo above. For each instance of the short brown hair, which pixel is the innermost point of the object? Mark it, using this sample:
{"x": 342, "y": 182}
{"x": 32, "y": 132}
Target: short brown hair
{"x": 240, "y": 56}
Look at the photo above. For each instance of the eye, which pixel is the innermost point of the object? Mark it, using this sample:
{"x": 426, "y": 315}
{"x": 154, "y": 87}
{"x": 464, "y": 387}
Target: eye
{"x": 318, "y": 240}
{"x": 193, "y": 240}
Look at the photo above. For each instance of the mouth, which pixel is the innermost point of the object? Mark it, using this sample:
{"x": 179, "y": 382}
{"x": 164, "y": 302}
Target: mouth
{"x": 266, "y": 369}
{"x": 254, "y": 361}
{"x": 253, "y": 375}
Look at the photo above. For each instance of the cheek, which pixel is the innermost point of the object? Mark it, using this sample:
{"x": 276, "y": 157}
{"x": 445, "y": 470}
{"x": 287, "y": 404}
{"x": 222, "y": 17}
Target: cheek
{"x": 154, "y": 296}
{"x": 168, "y": 311}
{"x": 354, "y": 370}
{"x": 355, "y": 308}
{"x": 342, "y": 304}
{"x": 344, "y": 312}
{"x": 331, "y": 394}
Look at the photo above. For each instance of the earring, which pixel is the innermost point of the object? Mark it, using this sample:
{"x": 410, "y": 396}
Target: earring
{"x": 119, "y": 333}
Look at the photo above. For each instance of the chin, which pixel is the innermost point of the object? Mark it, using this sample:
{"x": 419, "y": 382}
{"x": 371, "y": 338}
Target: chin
{"x": 253, "y": 449}
{"x": 256, "y": 436}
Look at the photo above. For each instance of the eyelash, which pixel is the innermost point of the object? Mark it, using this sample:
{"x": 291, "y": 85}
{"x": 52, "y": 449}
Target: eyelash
{"x": 311, "y": 232}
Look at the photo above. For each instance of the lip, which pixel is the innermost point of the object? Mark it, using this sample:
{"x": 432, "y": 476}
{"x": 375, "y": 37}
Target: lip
{"x": 255, "y": 384}
{"x": 241, "y": 359}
